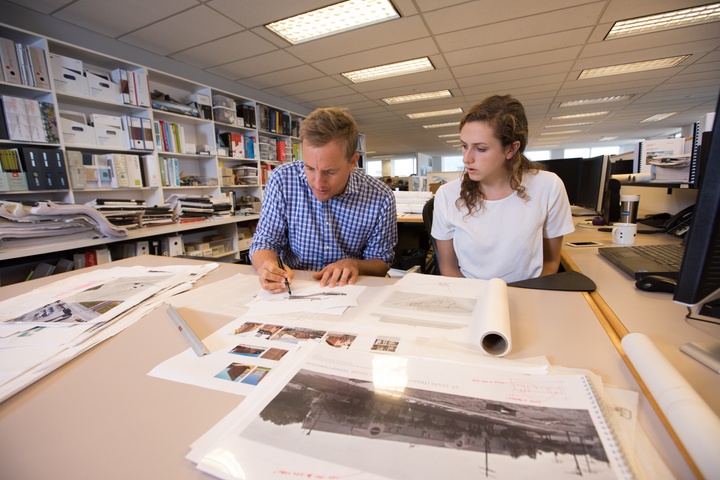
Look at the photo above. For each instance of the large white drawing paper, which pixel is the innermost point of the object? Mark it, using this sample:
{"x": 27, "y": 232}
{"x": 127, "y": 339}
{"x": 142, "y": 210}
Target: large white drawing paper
{"x": 690, "y": 416}
{"x": 44, "y": 328}
{"x": 307, "y": 296}
{"x": 478, "y": 307}
{"x": 364, "y": 416}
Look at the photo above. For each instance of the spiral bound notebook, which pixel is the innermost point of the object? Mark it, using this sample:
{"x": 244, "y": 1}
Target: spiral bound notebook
{"x": 343, "y": 413}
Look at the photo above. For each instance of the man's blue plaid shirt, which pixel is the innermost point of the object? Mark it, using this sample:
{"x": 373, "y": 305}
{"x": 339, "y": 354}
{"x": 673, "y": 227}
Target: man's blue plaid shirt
{"x": 360, "y": 223}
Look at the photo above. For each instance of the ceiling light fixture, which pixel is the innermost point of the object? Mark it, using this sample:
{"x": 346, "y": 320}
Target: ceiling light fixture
{"x": 580, "y": 115}
{"x": 665, "y": 21}
{"x": 565, "y": 132}
{"x": 634, "y": 67}
{"x": 436, "y": 113}
{"x": 449, "y": 135}
{"x": 590, "y": 101}
{"x": 442, "y": 125}
{"x": 333, "y": 19}
{"x": 390, "y": 70}
{"x": 658, "y": 117}
{"x": 606, "y": 139}
{"x": 578, "y": 124}
{"x": 417, "y": 97}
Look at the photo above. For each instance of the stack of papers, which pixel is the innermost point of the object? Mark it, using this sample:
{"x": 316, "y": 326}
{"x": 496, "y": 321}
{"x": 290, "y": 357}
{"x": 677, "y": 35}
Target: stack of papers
{"x": 44, "y": 328}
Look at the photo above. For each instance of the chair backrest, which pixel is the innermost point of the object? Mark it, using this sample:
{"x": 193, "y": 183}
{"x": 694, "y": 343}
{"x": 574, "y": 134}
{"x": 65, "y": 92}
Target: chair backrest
{"x": 433, "y": 265}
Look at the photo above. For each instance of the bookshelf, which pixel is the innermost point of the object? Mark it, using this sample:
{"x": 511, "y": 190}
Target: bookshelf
{"x": 181, "y": 132}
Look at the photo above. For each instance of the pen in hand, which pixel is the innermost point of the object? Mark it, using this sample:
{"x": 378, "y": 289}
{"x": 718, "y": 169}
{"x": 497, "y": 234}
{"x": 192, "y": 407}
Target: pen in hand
{"x": 282, "y": 266}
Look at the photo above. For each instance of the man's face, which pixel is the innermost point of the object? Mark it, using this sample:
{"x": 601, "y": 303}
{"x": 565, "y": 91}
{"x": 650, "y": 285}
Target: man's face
{"x": 327, "y": 169}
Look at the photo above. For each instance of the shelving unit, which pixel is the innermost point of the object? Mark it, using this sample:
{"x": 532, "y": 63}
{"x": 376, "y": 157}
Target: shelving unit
{"x": 199, "y": 165}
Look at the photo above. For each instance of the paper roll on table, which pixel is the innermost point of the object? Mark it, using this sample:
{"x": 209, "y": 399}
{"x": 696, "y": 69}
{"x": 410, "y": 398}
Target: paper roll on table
{"x": 490, "y": 322}
{"x": 626, "y": 178}
{"x": 697, "y": 426}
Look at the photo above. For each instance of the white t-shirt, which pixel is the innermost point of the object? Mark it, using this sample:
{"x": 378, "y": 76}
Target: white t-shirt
{"x": 504, "y": 239}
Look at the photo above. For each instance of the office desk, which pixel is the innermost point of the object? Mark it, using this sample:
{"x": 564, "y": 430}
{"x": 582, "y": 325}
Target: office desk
{"x": 101, "y": 416}
{"x": 651, "y": 313}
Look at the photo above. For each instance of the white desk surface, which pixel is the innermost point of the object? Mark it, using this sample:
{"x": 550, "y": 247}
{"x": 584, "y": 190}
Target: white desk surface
{"x": 101, "y": 416}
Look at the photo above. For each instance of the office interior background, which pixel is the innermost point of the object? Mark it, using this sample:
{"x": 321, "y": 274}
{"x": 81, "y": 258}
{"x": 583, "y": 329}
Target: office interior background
{"x": 558, "y": 57}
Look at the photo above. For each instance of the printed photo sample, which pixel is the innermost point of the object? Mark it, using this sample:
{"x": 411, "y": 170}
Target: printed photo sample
{"x": 408, "y": 434}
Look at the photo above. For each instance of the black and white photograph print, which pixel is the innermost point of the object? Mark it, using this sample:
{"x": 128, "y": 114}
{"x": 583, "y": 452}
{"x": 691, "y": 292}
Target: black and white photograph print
{"x": 421, "y": 433}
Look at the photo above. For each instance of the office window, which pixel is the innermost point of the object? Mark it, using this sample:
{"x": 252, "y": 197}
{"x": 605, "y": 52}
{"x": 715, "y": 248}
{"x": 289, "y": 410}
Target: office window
{"x": 452, "y": 164}
{"x": 595, "y": 151}
{"x": 576, "y": 153}
{"x": 374, "y": 168}
{"x": 537, "y": 155}
{"x": 403, "y": 167}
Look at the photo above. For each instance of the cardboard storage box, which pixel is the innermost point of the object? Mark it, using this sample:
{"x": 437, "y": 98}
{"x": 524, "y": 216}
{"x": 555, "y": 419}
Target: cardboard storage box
{"x": 109, "y": 131}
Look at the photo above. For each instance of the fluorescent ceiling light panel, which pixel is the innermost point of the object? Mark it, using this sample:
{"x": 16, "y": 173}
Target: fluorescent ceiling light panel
{"x": 390, "y": 70}
{"x": 605, "y": 139}
{"x": 565, "y": 132}
{"x": 437, "y": 113}
{"x": 448, "y": 135}
{"x": 590, "y": 101}
{"x": 333, "y": 19}
{"x": 658, "y": 117}
{"x": 580, "y": 115}
{"x": 632, "y": 67}
{"x": 577, "y": 124}
{"x": 665, "y": 21}
{"x": 417, "y": 97}
{"x": 442, "y": 125}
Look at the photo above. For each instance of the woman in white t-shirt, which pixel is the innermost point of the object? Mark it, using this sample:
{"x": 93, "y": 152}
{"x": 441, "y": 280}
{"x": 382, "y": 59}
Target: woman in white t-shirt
{"x": 504, "y": 218}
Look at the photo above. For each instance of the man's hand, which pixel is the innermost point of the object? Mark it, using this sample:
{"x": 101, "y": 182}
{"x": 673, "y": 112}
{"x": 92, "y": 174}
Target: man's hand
{"x": 272, "y": 278}
{"x": 341, "y": 273}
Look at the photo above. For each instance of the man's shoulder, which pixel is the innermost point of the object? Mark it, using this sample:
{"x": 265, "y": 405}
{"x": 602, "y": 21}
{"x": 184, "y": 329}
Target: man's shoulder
{"x": 372, "y": 184}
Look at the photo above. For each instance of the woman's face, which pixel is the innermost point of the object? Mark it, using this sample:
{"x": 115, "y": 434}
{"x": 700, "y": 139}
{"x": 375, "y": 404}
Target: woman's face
{"x": 483, "y": 154}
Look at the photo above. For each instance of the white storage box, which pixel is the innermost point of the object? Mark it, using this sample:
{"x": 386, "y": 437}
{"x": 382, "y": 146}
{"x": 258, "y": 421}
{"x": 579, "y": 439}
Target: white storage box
{"x": 109, "y": 131}
{"x": 68, "y": 75}
{"x": 101, "y": 88}
{"x": 75, "y": 133}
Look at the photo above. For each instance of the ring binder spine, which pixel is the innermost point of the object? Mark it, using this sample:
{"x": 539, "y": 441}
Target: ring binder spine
{"x": 613, "y": 444}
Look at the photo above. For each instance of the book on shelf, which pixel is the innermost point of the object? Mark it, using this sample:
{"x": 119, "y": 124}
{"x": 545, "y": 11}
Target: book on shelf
{"x": 120, "y": 76}
{"x": 38, "y": 63}
{"x": 9, "y": 60}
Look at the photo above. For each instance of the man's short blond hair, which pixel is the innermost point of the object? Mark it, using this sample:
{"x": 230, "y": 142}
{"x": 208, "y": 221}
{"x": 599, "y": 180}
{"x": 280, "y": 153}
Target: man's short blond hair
{"x": 331, "y": 124}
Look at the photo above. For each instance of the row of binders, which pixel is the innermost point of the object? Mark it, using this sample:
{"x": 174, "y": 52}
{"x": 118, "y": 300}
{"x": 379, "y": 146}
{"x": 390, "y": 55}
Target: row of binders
{"x": 32, "y": 168}
{"x": 112, "y": 170}
{"x": 275, "y": 121}
{"x": 27, "y": 119}
{"x": 23, "y": 64}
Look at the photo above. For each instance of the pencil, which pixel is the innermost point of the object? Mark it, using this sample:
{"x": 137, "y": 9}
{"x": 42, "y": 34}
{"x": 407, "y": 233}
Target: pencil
{"x": 281, "y": 265}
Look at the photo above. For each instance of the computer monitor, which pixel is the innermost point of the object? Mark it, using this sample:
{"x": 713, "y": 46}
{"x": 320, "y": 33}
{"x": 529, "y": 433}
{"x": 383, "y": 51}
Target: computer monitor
{"x": 698, "y": 283}
{"x": 569, "y": 170}
{"x": 593, "y": 179}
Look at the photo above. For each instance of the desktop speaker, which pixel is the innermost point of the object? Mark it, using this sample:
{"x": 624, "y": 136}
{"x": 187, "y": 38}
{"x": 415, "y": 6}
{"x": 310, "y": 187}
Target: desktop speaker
{"x": 611, "y": 202}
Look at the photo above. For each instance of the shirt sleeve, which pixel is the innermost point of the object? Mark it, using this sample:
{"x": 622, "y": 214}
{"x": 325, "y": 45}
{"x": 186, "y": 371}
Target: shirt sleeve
{"x": 441, "y": 227}
{"x": 272, "y": 228}
{"x": 559, "y": 220}
{"x": 381, "y": 244}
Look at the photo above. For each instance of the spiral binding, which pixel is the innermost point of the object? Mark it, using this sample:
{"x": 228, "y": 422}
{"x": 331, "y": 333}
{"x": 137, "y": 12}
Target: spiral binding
{"x": 607, "y": 431}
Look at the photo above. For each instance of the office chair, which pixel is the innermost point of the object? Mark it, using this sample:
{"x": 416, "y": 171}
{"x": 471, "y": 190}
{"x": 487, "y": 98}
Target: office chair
{"x": 432, "y": 266}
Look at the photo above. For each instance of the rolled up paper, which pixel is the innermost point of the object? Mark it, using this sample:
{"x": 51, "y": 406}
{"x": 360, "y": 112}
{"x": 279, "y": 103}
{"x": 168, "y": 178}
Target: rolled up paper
{"x": 626, "y": 178}
{"x": 697, "y": 426}
{"x": 490, "y": 321}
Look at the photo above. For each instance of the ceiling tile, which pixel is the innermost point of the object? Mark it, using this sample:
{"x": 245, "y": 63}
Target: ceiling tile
{"x": 261, "y": 64}
{"x": 114, "y": 19}
{"x": 225, "y": 50}
{"x": 182, "y": 31}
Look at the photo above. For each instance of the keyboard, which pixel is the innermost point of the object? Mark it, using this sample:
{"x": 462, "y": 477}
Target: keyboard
{"x": 640, "y": 260}
{"x": 664, "y": 254}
